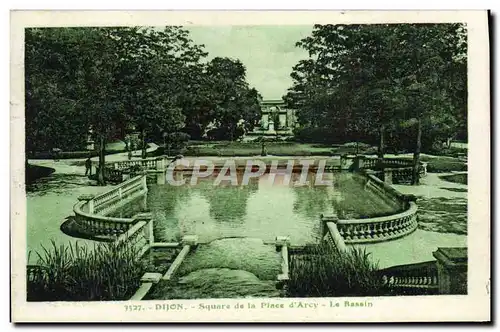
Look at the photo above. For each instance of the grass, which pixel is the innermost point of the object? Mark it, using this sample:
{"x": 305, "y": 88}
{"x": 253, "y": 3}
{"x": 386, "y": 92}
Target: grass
{"x": 243, "y": 149}
{"x": 79, "y": 273}
{"x": 443, "y": 215}
{"x": 443, "y": 164}
{"x": 456, "y": 178}
{"x": 322, "y": 271}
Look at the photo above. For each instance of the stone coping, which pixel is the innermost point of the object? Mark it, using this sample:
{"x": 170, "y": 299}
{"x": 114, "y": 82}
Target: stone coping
{"x": 412, "y": 209}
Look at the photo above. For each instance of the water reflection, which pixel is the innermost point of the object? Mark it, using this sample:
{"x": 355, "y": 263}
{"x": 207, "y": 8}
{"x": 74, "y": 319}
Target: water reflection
{"x": 228, "y": 202}
{"x": 268, "y": 206}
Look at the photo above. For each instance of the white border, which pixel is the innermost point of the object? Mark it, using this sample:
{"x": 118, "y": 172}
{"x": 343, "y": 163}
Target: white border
{"x": 473, "y": 307}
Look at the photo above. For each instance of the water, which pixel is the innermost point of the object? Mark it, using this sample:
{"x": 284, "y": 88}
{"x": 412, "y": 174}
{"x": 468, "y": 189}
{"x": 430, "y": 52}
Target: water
{"x": 260, "y": 209}
{"x": 234, "y": 223}
{"x": 225, "y": 268}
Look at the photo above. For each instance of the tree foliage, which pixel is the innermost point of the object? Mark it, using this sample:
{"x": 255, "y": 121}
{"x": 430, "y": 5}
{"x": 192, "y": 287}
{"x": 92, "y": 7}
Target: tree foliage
{"x": 362, "y": 81}
{"x": 113, "y": 80}
{"x": 372, "y": 81}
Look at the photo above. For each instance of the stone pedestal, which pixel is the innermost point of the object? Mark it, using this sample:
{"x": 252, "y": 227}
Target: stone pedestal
{"x": 359, "y": 162}
{"x": 327, "y": 218}
{"x": 190, "y": 240}
{"x": 452, "y": 270}
{"x": 282, "y": 241}
{"x": 388, "y": 176}
{"x": 271, "y": 127}
{"x": 346, "y": 162}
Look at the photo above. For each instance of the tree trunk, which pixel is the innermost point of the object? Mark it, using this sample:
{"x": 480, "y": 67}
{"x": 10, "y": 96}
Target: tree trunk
{"x": 101, "y": 179}
{"x": 381, "y": 142}
{"x": 144, "y": 146}
{"x": 231, "y": 132}
{"x": 415, "y": 180}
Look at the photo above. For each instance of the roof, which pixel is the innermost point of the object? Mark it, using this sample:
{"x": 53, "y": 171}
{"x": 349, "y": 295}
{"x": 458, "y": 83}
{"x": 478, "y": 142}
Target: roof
{"x": 272, "y": 102}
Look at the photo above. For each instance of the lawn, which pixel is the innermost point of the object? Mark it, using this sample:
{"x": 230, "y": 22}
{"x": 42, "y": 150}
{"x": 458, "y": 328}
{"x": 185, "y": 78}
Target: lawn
{"x": 456, "y": 178}
{"x": 243, "y": 149}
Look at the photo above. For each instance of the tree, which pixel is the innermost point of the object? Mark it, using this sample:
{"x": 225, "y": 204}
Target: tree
{"x": 236, "y": 103}
{"x": 374, "y": 80}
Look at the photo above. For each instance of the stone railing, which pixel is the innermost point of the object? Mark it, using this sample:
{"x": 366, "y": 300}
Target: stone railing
{"x": 150, "y": 278}
{"x": 92, "y": 212}
{"x": 419, "y": 278}
{"x": 147, "y": 163}
{"x": 379, "y": 228}
{"x": 385, "y": 190}
{"x": 446, "y": 275}
{"x": 330, "y": 232}
{"x": 139, "y": 237}
{"x": 392, "y": 170}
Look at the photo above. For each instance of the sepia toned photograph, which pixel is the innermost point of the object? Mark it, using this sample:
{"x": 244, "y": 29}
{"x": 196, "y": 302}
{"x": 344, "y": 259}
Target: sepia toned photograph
{"x": 171, "y": 169}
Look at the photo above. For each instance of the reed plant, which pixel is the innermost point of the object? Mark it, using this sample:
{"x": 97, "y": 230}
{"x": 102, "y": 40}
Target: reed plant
{"x": 323, "y": 271}
{"x": 80, "y": 273}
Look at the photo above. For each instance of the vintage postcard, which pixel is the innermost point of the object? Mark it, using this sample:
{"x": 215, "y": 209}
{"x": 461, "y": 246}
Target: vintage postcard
{"x": 250, "y": 166}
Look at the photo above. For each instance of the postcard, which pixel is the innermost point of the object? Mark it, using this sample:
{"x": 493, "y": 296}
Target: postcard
{"x": 250, "y": 166}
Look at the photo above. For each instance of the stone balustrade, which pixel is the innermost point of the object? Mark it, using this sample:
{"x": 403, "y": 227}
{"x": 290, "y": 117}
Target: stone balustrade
{"x": 147, "y": 163}
{"x": 334, "y": 237}
{"x": 392, "y": 170}
{"x": 92, "y": 213}
{"x": 138, "y": 237}
{"x": 420, "y": 278}
{"x": 380, "y": 228}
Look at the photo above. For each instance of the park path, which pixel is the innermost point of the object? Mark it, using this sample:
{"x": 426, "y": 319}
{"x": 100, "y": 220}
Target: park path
{"x": 124, "y": 155}
{"x": 442, "y": 222}
{"x": 50, "y": 200}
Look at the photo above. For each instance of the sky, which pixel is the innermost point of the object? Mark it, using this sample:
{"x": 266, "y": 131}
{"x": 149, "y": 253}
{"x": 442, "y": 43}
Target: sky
{"x": 268, "y": 52}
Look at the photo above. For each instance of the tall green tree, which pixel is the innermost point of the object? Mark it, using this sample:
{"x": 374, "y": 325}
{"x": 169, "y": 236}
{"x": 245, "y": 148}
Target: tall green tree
{"x": 371, "y": 80}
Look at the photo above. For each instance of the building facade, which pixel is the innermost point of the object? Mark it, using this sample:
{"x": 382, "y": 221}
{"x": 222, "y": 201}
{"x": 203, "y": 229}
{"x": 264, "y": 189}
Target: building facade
{"x": 276, "y": 117}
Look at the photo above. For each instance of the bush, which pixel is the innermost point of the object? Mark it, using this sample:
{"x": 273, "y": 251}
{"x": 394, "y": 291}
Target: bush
{"x": 322, "y": 271}
{"x": 456, "y": 178}
{"x": 445, "y": 165}
{"x": 176, "y": 143}
{"x": 77, "y": 273}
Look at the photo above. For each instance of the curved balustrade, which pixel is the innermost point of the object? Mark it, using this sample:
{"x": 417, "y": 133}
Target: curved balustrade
{"x": 91, "y": 214}
{"x": 380, "y": 228}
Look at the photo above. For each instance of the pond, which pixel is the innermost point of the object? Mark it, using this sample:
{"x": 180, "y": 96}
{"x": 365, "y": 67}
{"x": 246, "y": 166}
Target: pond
{"x": 236, "y": 225}
{"x": 266, "y": 207}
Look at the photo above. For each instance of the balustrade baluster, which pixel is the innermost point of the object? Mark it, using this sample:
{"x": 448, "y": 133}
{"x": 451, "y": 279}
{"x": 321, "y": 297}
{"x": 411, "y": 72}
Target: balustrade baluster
{"x": 379, "y": 230}
{"x": 371, "y": 231}
{"x": 384, "y": 228}
{"x": 355, "y": 233}
{"x": 348, "y": 232}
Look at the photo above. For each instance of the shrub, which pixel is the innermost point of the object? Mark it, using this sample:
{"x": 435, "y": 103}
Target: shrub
{"x": 445, "y": 165}
{"x": 322, "y": 271}
{"x": 456, "y": 178}
{"x": 80, "y": 273}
